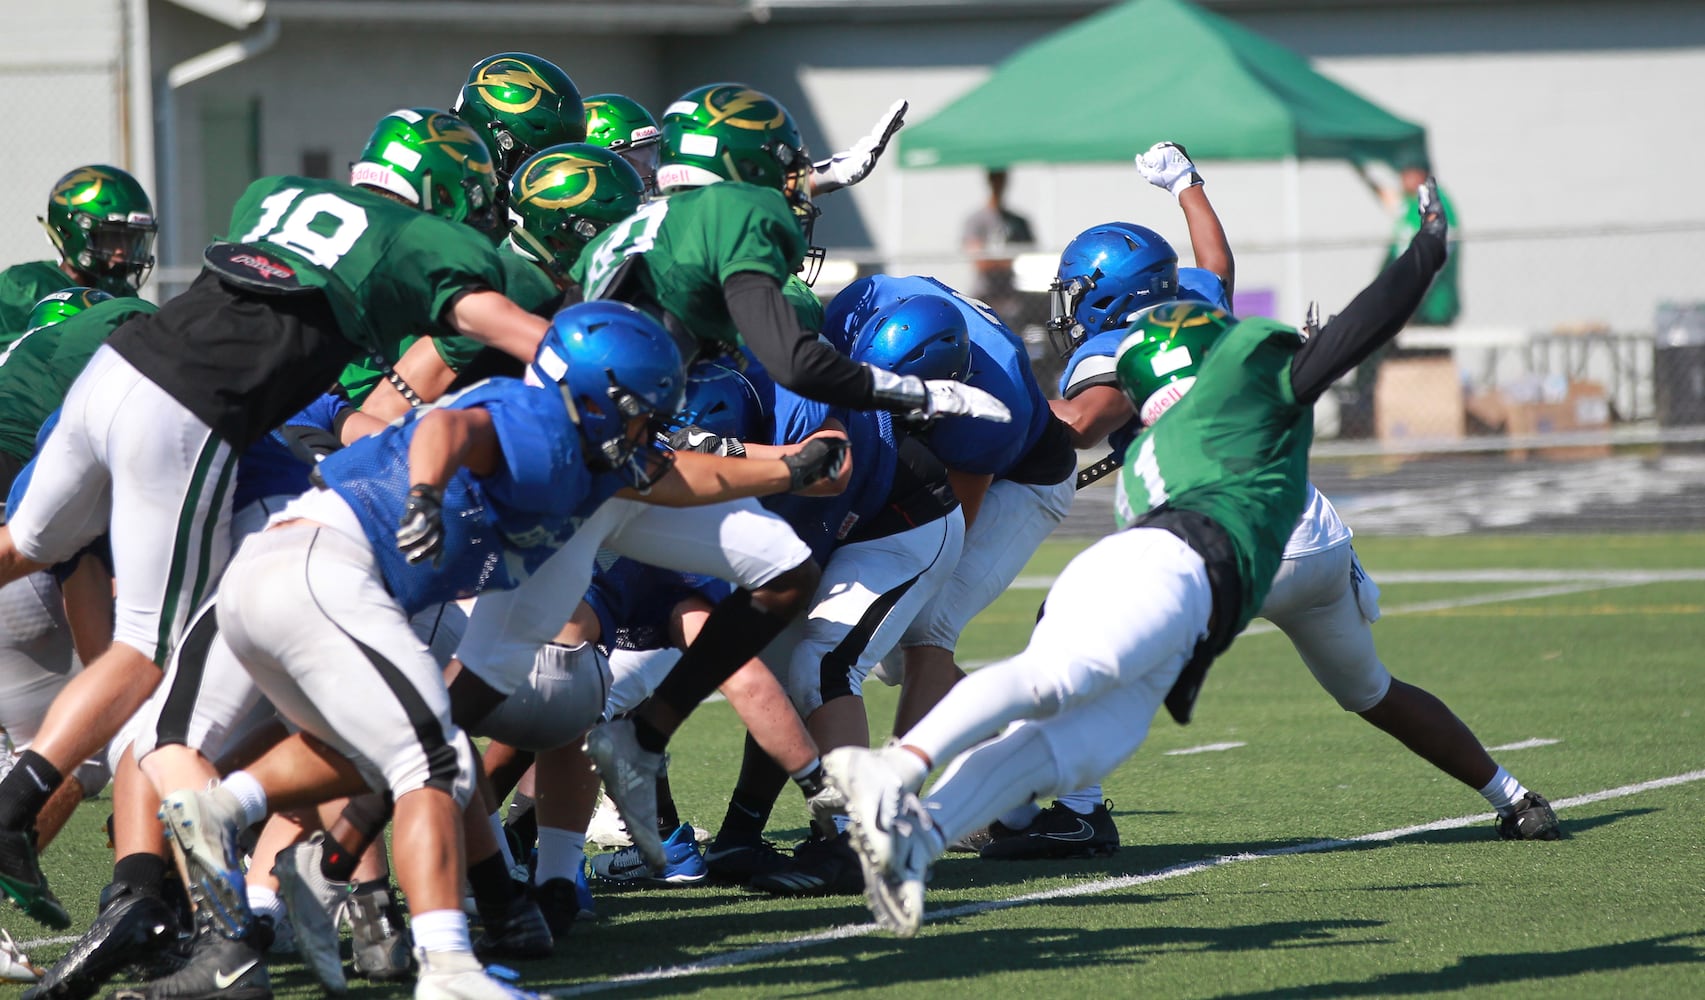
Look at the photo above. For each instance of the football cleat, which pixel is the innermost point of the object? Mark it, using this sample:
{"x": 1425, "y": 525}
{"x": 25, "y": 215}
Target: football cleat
{"x": 821, "y": 866}
{"x": 738, "y": 863}
{"x": 21, "y": 878}
{"x": 132, "y": 927}
{"x": 564, "y": 902}
{"x": 892, "y": 836}
{"x": 630, "y": 775}
{"x": 382, "y": 948}
{"x": 520, "y": 933}
{"x": 975, "y": 841}
{"x": 1056, "y": 832}
{"x": 219, "y": 968}
{"x": 457, "y": 975}
{"x": 203, "y": 828}
{"x": 684, "y": 863}
{"x": 1531, "y": 819}
{"x": 607, "y": 829}
{"x": 15, "y": 966}
{"x": 315, "y": 903}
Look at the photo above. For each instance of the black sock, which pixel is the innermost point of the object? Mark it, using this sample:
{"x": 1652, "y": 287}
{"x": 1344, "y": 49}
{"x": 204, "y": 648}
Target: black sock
{"x": 336, "y": 861}
{"x": 494, "y": 890}
{"x": 668, "y": 818}
{"x": 755, "y": 792}
{"x": 737, "y": 630}
{"x": 811, "y": 782}
{"x": 650, "y": 738}
{"x": 145, "y": 873}
{"x": 32, "y": 782}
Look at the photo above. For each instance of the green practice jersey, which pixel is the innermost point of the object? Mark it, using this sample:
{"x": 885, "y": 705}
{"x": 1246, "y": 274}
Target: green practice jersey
{"x": 806, "y": 305}
{"x": 692, "y": 242}
{"x": 38, "y": 369}
{"x": 389, "y": 270}
{"x": 1234, "y": 448}
{"x": 21, "y": 287}
{"x": 526, "y": 284}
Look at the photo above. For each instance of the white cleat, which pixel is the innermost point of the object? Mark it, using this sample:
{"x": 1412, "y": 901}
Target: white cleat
{"x": 458, "y": 975}
{"x": 315, "y": 903}
{"x": 15, "y": 966}
{"x": 630, "y": 776}
{"x": 203, "y": 829}
{"x": 607, "y": 829}
{"x": 890, "y": 832}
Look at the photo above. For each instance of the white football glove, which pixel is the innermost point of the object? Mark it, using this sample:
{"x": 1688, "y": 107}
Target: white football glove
{"x": 848, "y": 168}
{"x": 948, "y": 398}
{"x": 1166, "y": 165}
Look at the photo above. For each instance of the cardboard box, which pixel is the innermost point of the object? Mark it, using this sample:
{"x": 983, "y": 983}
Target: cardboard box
{"x": 1419, "y": 399}
{"x": 1586, "y": 407}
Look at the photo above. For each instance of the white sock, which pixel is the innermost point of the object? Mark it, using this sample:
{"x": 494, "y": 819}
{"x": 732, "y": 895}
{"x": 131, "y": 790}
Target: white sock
{"x": 502, "y": 840}
{"x": 1503, "y": 791}
{"x": 264, "y": 902}
{"x": 991, "y": 778}
{"x": 1083, "y": 801}
{"x": 441, "y": 930}
{"x": 1023, "y": 816}
{"x": 248, "y": 793}
{"x": 561, "y": 853}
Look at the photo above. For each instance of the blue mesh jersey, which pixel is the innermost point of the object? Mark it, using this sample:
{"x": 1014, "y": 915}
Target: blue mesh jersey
{"x": 1000, "y": 366}
{"x": 498, "y": 529}
{"x": 633, "y": 601}
{"x": 824, "y": 522}
{"x": 1092, "y": 363}
{"x": 269, "y": 468}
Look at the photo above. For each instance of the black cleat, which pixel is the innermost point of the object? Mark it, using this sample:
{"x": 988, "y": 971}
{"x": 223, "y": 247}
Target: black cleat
{"x": 738, "y": 863}
{"x": 219, "y": 968}
{"x": 559, "y": 901}
{"x": 521, "y": 932}
{"x": 21, "y": 878}
{"x": 382, "y": 946}
{"x": 1056, "y": 832}
{"x": 1530, "y": 819}
{"x": 820, "y": 867}
{"x": 132, "y": 928}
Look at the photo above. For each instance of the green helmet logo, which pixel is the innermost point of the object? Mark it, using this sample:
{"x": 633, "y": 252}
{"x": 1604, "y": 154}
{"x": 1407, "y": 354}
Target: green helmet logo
{"x": 730, "y": 132}
{"x": 434, "y": 161}
{"x": 102, "y": 224}
{"x": 1162, "y": 353}
{"x": 564, "y": 196}
{"x": 60, "y": 306}
{"x": 520, "y": 104}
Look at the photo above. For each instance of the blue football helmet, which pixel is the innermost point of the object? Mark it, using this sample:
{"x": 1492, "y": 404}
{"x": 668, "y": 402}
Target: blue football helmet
{"x": 923, "y": 335}
{"x": 723, "y": 401}
{"x": 1107, "y": 272}
{"x": 613, "y": 363}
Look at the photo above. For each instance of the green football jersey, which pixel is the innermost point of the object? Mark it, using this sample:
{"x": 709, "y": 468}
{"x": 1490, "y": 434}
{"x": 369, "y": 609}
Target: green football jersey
{"x": 1234, "y": 448}
{"x": 389, "y": 270}
{"x": 526, "y": 284}
{"x": 806, "y": 305}
{"x": 21, "y": 287}
{"x": 691, "y": 243}
{"x": 37, "y": 370}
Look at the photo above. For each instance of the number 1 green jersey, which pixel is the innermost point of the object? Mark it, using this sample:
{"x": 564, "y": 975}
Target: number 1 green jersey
{"x": 691, "y": 242}
{"x": 1234, "y": 448}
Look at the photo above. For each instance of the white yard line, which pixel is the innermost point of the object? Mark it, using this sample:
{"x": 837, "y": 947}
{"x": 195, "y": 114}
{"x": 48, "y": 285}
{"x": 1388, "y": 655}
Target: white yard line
{"x": 1525, "y": 745}
{"x": 761, "y": 952}
{"x": 1204, "y": 748}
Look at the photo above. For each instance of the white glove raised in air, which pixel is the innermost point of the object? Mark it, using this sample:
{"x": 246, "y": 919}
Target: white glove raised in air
{"x": 848, "y": 168}
{"x": 1167, "y": 165}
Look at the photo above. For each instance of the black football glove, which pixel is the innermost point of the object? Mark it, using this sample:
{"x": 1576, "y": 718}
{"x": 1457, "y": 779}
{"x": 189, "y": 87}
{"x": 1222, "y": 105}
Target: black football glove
{"x": 820, "y": 459}
{"x": 420, "y": 531}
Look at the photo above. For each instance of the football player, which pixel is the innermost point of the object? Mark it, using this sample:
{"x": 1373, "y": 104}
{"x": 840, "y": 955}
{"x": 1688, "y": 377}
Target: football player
{"x": 102, "y": 224}
{"x": 1209, "y": 494}
{"x": 316, "y": 269}
{"x": 520, "y": 103}
{"x": 621, "y": 125}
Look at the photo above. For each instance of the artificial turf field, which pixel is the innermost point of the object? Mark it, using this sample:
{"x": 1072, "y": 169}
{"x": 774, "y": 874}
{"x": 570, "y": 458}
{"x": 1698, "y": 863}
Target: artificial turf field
{"x": 1276, "y": 846}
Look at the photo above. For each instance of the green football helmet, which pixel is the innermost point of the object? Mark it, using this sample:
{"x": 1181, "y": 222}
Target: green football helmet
{"x": 563, "y": 196}
{"x": 60, "y": 306}
{"x": 102, "y": 223}
{"x": 435, "y": 162}
{"x": 520, "y": 104}
{"x": 620, "y": 124}
{"x": 1163, "y": 352}
{"x": 730, "y": 132}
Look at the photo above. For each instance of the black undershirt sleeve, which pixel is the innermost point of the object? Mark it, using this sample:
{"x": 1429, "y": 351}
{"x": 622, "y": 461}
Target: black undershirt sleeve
{"x": 1372, "y": 318}
{"x": 793, "y": 356}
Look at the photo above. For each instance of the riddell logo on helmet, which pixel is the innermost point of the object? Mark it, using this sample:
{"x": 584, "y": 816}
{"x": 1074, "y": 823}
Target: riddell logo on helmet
{"x": 1162, "y": 399}
{"x": 266, "y": 267}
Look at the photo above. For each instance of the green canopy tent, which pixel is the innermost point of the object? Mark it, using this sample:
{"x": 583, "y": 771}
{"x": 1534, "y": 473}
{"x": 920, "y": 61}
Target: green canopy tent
{"x": 1106, "y": 87}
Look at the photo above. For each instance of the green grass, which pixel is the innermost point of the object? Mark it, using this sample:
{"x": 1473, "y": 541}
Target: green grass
{"x": 1617, "y": 909}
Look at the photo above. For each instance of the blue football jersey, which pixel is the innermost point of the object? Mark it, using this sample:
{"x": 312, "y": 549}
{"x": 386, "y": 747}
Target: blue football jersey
{"x": 634, "y": 601}
{"x": 824, "y": 522}
{"x": 498, "y": 529}
{"x": 269, "y": 468}
{"x": 1000, "y": 366}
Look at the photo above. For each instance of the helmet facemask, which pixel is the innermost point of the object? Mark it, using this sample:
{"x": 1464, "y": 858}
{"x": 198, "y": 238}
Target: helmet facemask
{"x": 1065, "y": 333}
{"x": 624, "y": 437}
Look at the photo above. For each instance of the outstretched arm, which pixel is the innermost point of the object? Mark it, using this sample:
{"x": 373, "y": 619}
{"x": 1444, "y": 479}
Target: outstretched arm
{"x": 694, "y": 479}
{"x": 1168, "y": 166}
{"x": 1374, "y": 316}
{"x": 492, "y": 319}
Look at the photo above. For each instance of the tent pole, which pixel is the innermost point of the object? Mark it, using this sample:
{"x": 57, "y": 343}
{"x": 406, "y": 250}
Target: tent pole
{"x": 1291, "y": 309}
